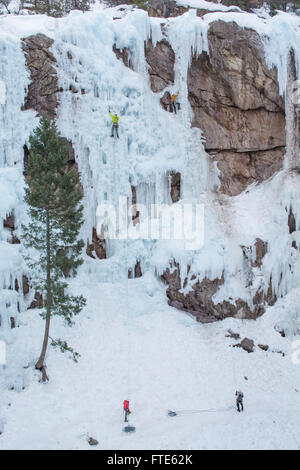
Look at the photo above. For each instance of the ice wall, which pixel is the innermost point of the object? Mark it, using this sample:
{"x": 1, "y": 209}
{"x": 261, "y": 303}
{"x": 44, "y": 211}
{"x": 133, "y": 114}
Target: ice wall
{"x": 10, "y": 255}
{"x": 14, "y": 80}
{"x": 15, "y": 127}
{"x": 152, "y": 142}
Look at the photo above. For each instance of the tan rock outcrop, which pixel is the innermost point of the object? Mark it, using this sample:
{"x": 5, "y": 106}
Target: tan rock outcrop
{"x": 161, "y": 61}
{"x": 9, "y": 224}
{"x": 199, "y": 299}
{"x": 247, "y": 344}
{"x": 42, "y": 91}
{"x": 123, "y": 55}
{"x": 240, "y": 169}
{"x": 175, "y": 184}
{"x": 165, "y": 8}
{"x": 96, "y": 249}
{"x": 236, "y": 102}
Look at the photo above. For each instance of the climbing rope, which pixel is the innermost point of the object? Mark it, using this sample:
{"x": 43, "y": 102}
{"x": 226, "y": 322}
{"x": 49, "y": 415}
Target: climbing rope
{"x": 233, "y": 364}
{"x": 128, "y": 326}
{"x": 128, "y": 428}
{"x": 233, "y": 368}
{"x": 212, "y": 410}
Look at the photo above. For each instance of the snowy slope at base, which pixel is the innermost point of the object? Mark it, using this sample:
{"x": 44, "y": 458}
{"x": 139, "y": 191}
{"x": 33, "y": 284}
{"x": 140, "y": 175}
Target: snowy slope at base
{"x": 174, "y": 362}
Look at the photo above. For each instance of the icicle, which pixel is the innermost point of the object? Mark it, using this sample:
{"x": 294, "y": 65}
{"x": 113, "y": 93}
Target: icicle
{"x": 292, "y": 124}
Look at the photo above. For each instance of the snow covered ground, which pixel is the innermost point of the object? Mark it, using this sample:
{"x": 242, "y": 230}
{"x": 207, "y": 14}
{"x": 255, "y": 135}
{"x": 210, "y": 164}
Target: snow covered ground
{"x": 173, "y": 363}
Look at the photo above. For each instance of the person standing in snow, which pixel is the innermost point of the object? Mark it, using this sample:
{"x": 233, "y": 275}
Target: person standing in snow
{"x": 175, "y": 103}
{"x": 115, "y": 126}
{"x": 126, "y": 410}
{"x": 239, "y": 400}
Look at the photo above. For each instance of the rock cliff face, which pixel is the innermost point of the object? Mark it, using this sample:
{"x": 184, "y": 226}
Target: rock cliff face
{"x": 199, "y": 300}
{"x": 42, "y": 95}
{"x": 42, "y": 91}
{"x": 9, "y": 223}
{"x": 97, "y": 247}
{"x": 236, "y": 102}
{"x": 161, "y": 61}
{"x": 165, "y": 9}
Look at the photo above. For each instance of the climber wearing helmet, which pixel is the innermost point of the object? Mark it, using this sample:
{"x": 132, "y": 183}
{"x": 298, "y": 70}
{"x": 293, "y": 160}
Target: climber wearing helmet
{"x": 126, "y": 410}
{"x": 175, "y": 103}
{"x": 239, "y": 400}
{"x": 115, "y": 126}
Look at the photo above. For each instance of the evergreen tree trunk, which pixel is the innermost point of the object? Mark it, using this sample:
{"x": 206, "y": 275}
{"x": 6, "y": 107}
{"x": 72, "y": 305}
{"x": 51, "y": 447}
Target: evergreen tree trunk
{"x": 40, "y": 365}
{"x": 6, "y": 6}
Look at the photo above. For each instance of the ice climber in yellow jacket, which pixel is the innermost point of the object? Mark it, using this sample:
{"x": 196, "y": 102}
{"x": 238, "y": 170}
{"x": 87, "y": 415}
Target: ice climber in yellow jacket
{"x": 115, "y": 125}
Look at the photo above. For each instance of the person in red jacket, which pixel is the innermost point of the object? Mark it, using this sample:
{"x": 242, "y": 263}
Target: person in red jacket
{"x": 126, "y": 410}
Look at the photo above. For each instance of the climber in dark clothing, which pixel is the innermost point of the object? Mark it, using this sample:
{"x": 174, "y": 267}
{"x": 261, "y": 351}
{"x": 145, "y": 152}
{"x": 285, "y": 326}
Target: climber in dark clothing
{"x": 239, "y": 400}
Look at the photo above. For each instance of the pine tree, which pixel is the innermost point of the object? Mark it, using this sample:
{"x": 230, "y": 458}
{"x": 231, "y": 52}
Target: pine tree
{"x": 57, "y": 7}
{"x": 55, "y": 217}
{"x": 142, "y": 4}
{"x": 50, "y": 7}
{"x": 83, "y": 5}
